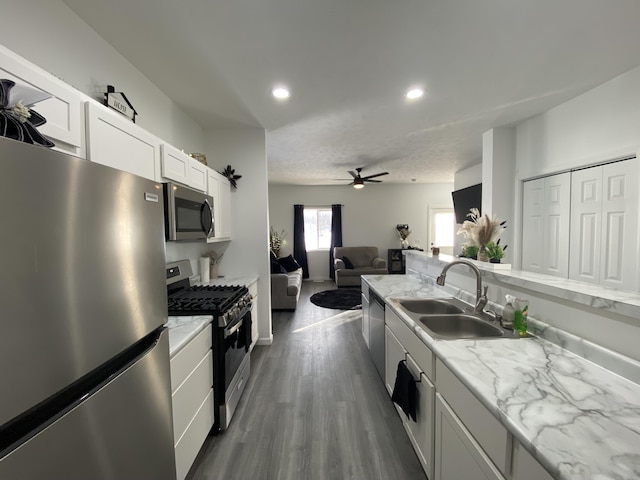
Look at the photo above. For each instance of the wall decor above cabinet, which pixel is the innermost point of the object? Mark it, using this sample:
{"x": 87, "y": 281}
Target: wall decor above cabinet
{"x": 119, "y": 102}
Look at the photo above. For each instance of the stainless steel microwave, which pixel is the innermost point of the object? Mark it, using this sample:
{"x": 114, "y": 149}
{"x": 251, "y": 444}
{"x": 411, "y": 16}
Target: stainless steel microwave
{"x": 188, "y": 213}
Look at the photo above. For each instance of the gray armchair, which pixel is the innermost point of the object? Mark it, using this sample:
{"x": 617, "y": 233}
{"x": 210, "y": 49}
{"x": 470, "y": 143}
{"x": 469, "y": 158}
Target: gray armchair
{"x": 363, "y": 260}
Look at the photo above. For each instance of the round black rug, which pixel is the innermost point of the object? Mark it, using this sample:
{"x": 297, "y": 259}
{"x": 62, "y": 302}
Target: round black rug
{"x": 340, "y": 299}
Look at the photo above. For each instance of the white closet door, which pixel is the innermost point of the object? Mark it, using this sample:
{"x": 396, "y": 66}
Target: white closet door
{"x": 557, "y": 212}
{"x": 532, "y": 225}
{"x": 619, "y": 238}
{"x": 586, "y": 220}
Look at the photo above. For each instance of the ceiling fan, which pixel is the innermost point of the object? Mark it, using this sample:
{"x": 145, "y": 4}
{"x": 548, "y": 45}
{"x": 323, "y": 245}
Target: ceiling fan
{"x": 358, "y": 180}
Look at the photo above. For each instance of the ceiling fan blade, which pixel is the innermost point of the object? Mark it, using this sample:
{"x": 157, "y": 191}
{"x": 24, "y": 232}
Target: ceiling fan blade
{"x": 372, "y": 181}
{"x": 374, "y": 176}
{"x": 353, "y": 174}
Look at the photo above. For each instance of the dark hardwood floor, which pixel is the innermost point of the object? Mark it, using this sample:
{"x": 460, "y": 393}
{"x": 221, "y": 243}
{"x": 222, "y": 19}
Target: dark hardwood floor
{"x": 314, "y": 408}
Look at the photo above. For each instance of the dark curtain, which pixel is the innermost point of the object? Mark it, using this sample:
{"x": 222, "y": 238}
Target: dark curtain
{"x": 299, "y": 248}
{"x": 336, "y": 234}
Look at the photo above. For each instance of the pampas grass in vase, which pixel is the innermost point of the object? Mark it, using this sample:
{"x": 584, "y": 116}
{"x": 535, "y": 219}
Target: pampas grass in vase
{"x": 481, "y": 230}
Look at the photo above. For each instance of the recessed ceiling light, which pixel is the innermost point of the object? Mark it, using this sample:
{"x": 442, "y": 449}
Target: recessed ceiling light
{"x": 281, "y": 93}
{"x": 414, "y": 93}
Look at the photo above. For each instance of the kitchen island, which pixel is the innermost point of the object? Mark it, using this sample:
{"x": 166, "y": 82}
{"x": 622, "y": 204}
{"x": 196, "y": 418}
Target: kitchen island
{"x": 576, "y": 418}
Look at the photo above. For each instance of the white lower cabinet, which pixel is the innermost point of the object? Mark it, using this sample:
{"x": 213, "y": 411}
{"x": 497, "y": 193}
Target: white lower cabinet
{"x": 401, "y": 344}
{"x": 525, "y": 467}
{"x": 394, "y": 354}
{"x": 192, "y": 399}
{"x": 457, "y": 454}
{"x": 253, "y": 290}
{"x": 365, "y": 313}
{"x": 421, "y": 432}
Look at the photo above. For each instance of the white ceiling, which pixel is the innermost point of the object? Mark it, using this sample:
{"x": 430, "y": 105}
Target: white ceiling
{"x": 348, "y": 63}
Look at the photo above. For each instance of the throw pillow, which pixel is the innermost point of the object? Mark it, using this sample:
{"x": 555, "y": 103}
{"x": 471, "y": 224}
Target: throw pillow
{"x": 289, "y": 263}
{"x": 277, "y": 268}
{"x": 347, "y": 263}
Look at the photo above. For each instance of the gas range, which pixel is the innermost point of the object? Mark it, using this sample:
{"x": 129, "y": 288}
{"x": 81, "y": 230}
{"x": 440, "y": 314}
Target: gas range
{"x": 230, "y": 306}
{"x": 225, "y": 302}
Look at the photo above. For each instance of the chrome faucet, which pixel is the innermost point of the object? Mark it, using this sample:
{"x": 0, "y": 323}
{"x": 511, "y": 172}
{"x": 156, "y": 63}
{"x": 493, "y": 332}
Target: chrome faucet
{"x": 481, "y": 298}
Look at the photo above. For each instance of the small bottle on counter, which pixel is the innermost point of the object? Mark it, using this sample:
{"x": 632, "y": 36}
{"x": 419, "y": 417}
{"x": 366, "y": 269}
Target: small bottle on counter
{"x": 508, "y": 313}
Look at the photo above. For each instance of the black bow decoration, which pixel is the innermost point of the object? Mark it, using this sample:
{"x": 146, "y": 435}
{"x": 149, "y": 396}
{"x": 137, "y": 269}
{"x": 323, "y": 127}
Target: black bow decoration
{"x": 230, "y": 174}
{"x": 20, "y": 122}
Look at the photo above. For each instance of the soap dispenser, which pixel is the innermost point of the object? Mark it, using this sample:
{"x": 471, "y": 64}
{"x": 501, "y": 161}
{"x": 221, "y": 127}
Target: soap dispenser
{"x": 508, "y": 313}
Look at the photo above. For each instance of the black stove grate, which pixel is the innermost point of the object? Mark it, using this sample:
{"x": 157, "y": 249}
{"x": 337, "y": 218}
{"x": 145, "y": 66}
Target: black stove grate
{"x": 205, "y": 300}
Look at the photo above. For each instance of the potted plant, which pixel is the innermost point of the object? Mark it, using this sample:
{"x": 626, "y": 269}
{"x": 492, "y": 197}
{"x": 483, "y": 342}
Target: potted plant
{"x": 276, "y": 240}
{"x": 494, "y": 251}
{"x": 480, "y": 230}
{"x": 469, "y": 250}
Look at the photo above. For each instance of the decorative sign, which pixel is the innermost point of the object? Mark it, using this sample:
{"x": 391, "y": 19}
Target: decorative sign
{"x": 119, "y": 102}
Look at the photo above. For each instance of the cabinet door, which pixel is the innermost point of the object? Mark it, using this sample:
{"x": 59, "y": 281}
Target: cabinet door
{"x": 545, "y": 226}
{"x": 63, "y": 109}
{"x": 525, "y": 467}
{"x": 174, "y": 164}
{"x": 421, "y": 431}
{"x": 557, "y": 215}
{"x": 532, "y": 225}
{"x": 394, "y": 353}
{"x": 457, "y": 454}
{"x": 197, "y": 176}
{"x": 604, "y": 225}
{"x": 220, "y": 189}
{"x": 365, "y": 319}
{"x": 619, "y": 238}
{"x": 114, "y": 141}
{"x": 586, "y": 220}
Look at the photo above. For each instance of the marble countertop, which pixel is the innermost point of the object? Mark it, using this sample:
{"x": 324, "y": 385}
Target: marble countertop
{"x": 183, "y": 329}
{"x": 578, "y": 419}
{"x": 623, "y": 302}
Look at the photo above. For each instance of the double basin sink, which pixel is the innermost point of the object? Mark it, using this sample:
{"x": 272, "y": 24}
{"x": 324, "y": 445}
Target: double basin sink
{"x": 450, "y": 318}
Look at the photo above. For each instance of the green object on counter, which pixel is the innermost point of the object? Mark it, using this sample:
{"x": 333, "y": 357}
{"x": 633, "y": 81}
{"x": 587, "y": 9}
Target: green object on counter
{"x": 520, "y": 321}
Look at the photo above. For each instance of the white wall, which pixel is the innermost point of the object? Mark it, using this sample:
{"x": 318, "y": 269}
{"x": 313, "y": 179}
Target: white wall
{"x": 50, "y": 35}
{"x": 369, "y": 216}
{"x": 601, "y": 124}
{"x": 468, "y": 177}
{"x": 248, "y": 252}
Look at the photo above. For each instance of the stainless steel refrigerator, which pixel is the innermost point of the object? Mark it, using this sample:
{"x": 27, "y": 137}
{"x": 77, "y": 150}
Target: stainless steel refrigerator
{"x": 84, "y": 359}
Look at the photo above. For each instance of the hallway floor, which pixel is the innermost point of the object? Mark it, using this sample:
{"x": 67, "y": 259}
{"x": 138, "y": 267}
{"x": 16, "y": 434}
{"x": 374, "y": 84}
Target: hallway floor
{"x": 314, "y": 408}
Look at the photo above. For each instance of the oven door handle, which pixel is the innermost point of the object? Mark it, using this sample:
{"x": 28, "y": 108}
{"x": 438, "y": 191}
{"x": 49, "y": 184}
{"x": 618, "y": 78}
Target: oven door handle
{"x": 232, "y": 330}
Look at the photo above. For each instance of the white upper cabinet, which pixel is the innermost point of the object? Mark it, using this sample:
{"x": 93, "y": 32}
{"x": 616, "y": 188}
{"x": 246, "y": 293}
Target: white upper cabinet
{"x": 220, "y": 189}
{"x": 198, "y": 173}
{"x": 604, "y": 225}
{"x": 177, "y": 166}
{"x": 62, "y": 110}
{"x": 546, "y": 220}
{"x": 114, "y": 141}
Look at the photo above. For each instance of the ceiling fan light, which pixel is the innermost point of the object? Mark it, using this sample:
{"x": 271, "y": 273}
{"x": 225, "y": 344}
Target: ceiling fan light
{"x": 358, "y": 183}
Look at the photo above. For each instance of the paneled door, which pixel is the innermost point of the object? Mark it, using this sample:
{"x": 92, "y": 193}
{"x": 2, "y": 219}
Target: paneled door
{"x": 604, "y": 225}
{"x": 546, "y": 220}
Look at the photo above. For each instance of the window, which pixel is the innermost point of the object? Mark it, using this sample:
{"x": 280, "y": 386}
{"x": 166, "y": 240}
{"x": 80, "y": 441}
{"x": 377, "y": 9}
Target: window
{"x": 442, "y": 223}
{"x": 317, "y": 228}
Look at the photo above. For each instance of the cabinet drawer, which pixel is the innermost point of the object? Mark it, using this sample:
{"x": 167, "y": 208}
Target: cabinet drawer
{"x": 183, "y": 362}
{"x": 485, "y": 428}
{"x": 191, "y": 393}
{"x": 421, "y": 354}
{"x": 190, "y": 443}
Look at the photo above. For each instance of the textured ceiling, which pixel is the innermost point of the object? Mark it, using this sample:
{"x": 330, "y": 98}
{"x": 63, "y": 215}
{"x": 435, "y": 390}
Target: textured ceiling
{"x": 484, "y": 63}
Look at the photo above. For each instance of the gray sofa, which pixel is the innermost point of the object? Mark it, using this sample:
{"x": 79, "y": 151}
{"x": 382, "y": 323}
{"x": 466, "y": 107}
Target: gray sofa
{"x": 285, "y": 290}
{"x": 365, "y": 261}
